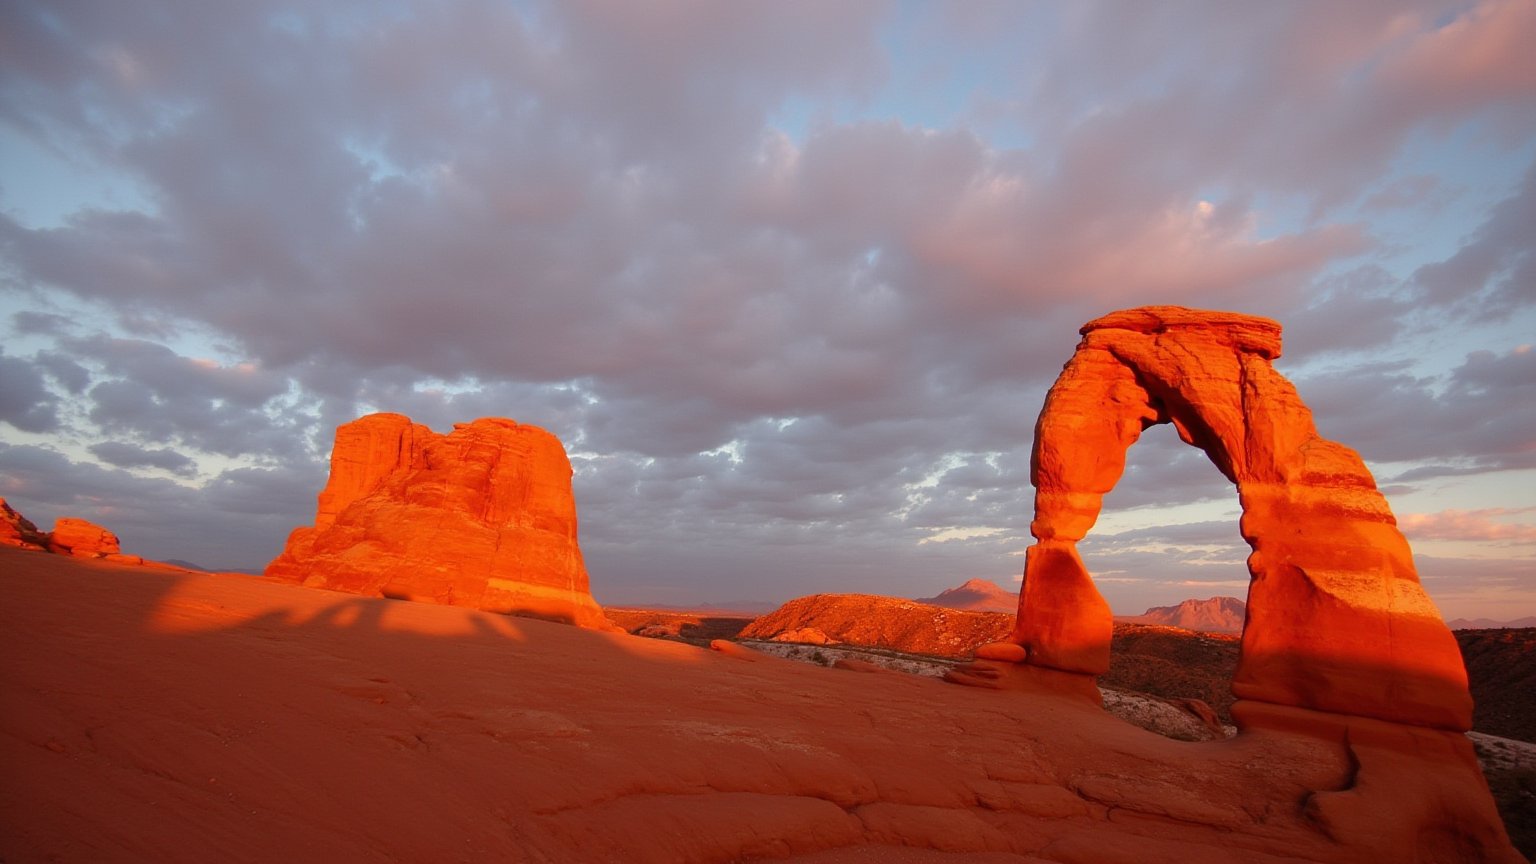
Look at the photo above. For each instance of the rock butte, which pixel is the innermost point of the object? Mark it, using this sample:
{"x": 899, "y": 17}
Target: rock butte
{"x": 1340, "y": 643}
{"x": 483, "y": 517}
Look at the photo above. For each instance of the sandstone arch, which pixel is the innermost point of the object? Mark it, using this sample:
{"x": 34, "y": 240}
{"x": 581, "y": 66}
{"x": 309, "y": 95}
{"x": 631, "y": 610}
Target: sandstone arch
{"x": 1337, "y": 620}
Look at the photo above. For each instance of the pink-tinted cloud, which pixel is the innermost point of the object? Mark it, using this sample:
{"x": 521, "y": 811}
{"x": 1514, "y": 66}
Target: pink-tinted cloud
{"x": 790, "y": 279}
{"x": 1488, "y": 524}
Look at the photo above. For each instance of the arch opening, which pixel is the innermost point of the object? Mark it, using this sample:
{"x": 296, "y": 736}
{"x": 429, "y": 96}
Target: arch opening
{"x": 1336, "y": 621}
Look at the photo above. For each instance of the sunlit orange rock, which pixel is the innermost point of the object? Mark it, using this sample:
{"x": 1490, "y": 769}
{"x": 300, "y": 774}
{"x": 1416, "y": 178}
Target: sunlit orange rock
{"x": 873, "y": 621}
{"x": 1341, "y": 647}
{"x": 82, "y": 539}
{"x": 17, "y": 530}
{"x": 1337, "y": 620}
{"x": 483, "y": 517}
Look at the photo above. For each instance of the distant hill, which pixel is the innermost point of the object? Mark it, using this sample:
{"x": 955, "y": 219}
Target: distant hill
{"x": 1216, "y": 615}
{"x": 1489, "y": 623}
{"x": 976, "y": 595}
{"x": 880, "y": 622}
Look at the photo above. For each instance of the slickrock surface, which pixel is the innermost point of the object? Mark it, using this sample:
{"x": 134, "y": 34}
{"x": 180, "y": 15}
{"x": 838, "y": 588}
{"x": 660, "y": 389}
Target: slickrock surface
{"x": 192, "y": 717}
{"x": 880, "y": 622}
{"x": 483, "y": 517}
{"x": 1337, "y": 620}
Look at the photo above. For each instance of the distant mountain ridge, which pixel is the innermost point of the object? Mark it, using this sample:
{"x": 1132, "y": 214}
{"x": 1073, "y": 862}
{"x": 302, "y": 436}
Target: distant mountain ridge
{"x": 1489, "y": 623}
{"x": 976, "y": 595}
{"x": 1215, "y": 615}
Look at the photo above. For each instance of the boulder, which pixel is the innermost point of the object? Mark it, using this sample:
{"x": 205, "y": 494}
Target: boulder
{"x": 1336, "y": 618}
{"x": 82, "y": 539}
{"x": 483, "y": 517}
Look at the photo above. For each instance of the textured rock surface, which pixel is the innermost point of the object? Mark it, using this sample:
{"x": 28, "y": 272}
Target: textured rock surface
{"x": 17, "y": 530}
{"x": 250, "y": 720}
{"x": 482, "y": 517}
{"x": 873, "y": 621}
{"x": 1337, "y": 620}
{"x": 82, "y": 539}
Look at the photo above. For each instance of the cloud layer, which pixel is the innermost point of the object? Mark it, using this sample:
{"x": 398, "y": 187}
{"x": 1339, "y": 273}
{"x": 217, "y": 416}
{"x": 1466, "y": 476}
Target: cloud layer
{"x": 789, "y": 279}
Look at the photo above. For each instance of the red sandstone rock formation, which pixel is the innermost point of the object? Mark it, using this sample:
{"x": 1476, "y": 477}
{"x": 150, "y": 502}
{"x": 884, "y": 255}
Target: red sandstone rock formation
{"x": 82, "y": 539}
{"x": 1341, "y": 644}
{"x": 17, "y": 530}
{"x": 69, "y": 536}
{"x": 1337, "y": 620}
{"x": 872, "y": 621}
{"x": 481, "y": 517}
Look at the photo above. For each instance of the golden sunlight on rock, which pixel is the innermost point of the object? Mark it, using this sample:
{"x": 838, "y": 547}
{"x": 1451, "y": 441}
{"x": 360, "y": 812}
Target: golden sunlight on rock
{"x": 482, "y": 517}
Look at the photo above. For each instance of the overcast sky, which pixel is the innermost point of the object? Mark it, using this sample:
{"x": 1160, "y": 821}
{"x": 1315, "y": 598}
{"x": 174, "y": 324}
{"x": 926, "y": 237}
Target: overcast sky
{"x": 789, "y": 279}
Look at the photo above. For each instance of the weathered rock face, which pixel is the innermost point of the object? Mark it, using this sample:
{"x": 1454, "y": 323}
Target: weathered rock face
{"x": 1337, "y": 620}
{"x": 17, "y": 530}
{"x": 1341, "y": 648}
{"x": 482, "y": 517}
{"x": 82, "y": 539}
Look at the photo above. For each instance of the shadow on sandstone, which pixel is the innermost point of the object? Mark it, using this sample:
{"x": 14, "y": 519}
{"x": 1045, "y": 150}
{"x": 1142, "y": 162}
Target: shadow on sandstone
{"x": 176, "y": 716}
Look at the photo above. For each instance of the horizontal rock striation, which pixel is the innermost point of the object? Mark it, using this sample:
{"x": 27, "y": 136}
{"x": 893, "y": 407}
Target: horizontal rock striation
{"x": 483, "y": 517}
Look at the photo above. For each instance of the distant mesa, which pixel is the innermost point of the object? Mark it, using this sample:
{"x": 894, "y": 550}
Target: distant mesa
{"x": 70, "y": 536}
{"x": 976, "y": 595}
{"x": 1216, "y": 615}
{"x": 482, "y": 517}
{"x": 872, "y": 621}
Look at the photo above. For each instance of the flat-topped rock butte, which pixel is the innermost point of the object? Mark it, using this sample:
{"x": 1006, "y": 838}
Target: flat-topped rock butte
{"x": 483, "y": 517}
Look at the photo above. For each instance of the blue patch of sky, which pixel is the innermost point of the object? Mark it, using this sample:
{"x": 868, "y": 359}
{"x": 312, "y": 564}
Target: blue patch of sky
{"x": 939, "y": 79}
{"x": 41, "y": 187}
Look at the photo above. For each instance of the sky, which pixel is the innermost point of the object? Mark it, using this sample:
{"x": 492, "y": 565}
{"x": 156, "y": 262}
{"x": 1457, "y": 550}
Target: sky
{"x": 790, "y": 280}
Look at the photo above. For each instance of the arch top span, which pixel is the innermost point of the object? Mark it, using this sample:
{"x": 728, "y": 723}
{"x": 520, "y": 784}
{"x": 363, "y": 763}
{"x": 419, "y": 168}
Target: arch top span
{"x": 1337, "y": 620}
{"x": 1248, "y": 333}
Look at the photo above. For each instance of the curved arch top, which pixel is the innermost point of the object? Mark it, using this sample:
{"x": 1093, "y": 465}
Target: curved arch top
{"x": 1337, "y": 620}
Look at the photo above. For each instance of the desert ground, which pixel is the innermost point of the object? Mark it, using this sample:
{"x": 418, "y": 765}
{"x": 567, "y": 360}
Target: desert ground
{"x": 155, "y": 714}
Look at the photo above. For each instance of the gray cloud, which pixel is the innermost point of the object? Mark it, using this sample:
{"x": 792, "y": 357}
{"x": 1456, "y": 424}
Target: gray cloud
{"x": 24, "y": 400}
{"x": 784, "y": 327}
{"x": 125, "y": 455}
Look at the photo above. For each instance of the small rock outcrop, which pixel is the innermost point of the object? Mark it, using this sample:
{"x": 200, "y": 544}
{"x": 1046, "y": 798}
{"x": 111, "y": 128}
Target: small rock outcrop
{"x": 82, "y": 539}
{"x": 17, "y": 530}
{"x": 75, "y": 537}
{"x": 482, "y": 517}
{"x": 872, "y": 621}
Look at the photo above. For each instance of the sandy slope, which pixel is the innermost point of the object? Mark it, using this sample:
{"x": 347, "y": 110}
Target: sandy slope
{"x": 161, "y": 715}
